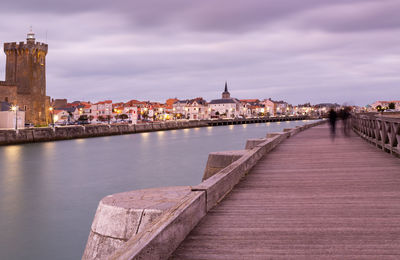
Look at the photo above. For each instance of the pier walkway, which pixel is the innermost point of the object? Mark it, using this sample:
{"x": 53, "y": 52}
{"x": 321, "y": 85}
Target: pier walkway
{"x": 310, "y": 198}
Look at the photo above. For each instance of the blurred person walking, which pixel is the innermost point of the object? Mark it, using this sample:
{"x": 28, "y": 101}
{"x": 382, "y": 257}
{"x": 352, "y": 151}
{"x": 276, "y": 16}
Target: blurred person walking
{"x": 332, "y": 122}
{"x": 345, "y": 115}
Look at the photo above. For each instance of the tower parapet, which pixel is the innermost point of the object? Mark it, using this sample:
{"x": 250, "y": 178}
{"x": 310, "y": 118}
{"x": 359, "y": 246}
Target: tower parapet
{"x": 28, "y": 46}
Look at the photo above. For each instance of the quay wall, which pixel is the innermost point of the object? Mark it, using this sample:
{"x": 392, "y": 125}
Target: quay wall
{"x": 151, "y": 223}
{"x": 43, "y": 134}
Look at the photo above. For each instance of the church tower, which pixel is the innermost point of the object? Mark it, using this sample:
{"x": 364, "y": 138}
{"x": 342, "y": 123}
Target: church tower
{"x": 226, "y": 94}
{"x": 26, "y": 69}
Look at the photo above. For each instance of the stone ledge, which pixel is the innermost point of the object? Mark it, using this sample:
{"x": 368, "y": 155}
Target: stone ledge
{"x": 129, "y": 212}
{"x": 161, "y": 239}
{"x": 219, "y": 160}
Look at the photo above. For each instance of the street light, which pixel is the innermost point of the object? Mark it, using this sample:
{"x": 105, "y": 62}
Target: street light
{"x": 52, "y": 115}
{"x": 15, "y": 108}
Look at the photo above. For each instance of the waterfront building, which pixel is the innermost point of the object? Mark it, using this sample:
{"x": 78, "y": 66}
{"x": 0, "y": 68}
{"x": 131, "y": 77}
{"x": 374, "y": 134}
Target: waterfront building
{"x": 102, "y": 110}
{"x": 179, "y": 109}
{"x": 225, "y": 107}
{"x": 197, "y": 109}
{"x": 25, "y": 83}
{"x": 244, "y": 108}
{"x": 385, "y": 104}
{"x": 192, "y": 109}
{"x": 276, "y": 108}
{"x": 61, "y": 116}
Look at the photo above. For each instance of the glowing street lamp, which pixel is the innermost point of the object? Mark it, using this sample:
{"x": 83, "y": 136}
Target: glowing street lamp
{"x": 51, "y": 109}
{"x": 15, "y": 108}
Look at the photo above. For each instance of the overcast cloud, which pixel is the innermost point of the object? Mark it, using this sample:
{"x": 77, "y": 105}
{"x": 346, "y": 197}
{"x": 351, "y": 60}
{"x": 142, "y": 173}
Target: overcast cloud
{"x": 345, "y": 51}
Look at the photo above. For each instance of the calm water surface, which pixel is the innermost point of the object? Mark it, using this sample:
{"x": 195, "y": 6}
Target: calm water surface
{"x": 49, "y": 191}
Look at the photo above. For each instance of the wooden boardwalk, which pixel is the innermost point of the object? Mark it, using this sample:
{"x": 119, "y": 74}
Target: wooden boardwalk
{"x": 310, "y": 198}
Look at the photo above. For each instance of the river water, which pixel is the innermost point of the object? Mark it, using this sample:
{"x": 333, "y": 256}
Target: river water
{"x": 49, "y": 191}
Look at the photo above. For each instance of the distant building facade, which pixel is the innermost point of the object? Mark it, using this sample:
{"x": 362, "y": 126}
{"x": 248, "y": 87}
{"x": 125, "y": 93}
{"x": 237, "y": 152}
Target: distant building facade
{"x": 226, "y": 106}
{"x": 385, "y": 104}
{"x": 25, "y": 84}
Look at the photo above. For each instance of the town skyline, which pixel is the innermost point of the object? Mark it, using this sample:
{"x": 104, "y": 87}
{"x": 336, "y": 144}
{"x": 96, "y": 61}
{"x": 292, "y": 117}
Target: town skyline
{"x": 344, "y": 52}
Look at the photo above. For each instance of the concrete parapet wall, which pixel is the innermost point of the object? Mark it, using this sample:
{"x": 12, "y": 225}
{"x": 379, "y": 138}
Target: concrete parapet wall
{"x": 129, "y": 212}
{"x": 161, "y": 236}
{"x": 219, "y": 160}
{"x": 251, "y": 143}
{"x": 160, "y": 240}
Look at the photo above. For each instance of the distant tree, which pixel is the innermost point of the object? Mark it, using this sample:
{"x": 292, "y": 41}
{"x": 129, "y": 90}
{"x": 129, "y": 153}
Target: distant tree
{"x": 70, "y": 115}
{"x": 392, "y": 105}
{"x": 91, "y": 118}
{"x": 83, "y": 118}
{"x": 102, "y": 118}
{"x": 379, "y": 108}
{"x": 123, "y": 116}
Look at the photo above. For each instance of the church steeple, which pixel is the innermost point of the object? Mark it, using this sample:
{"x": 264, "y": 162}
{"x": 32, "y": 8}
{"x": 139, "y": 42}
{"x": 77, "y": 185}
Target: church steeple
{"x": 226, "y": 94}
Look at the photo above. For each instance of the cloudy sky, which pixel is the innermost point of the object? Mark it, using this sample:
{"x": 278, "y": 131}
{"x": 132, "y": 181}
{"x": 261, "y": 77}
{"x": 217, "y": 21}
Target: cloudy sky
{"x": 345, "y": 51}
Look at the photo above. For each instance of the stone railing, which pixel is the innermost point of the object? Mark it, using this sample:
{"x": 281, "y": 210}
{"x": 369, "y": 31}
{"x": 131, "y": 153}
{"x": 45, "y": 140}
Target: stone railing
{"x": 384, "y": 132}
{"x": 151, "y": 223}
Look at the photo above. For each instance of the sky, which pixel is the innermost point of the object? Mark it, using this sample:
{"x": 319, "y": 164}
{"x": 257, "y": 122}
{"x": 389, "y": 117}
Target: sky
{"x": 344, "y": 51}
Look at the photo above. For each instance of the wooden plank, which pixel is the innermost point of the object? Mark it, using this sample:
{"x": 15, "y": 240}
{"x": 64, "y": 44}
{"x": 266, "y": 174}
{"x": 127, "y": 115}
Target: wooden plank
{"x": 310, "y": 198}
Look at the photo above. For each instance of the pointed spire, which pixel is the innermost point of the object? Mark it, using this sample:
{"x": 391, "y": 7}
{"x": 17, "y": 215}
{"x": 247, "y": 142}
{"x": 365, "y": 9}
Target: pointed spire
{"x": 226, "y": 94}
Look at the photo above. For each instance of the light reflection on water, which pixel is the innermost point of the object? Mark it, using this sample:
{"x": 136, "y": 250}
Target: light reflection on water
{"x": 49, "y": 191}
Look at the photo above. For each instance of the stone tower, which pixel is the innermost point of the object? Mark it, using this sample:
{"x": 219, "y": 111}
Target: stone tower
{"x": 26, "y": 69}
{"x": 226, "y": 94}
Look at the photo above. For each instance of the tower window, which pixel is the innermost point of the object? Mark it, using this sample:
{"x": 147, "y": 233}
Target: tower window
{"x": 25, "y": 108}
{"x": 6, "y": 99}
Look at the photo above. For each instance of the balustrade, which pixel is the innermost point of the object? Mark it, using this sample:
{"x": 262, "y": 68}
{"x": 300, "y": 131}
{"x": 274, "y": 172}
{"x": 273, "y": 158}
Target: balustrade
{"x": 384, "y": 132}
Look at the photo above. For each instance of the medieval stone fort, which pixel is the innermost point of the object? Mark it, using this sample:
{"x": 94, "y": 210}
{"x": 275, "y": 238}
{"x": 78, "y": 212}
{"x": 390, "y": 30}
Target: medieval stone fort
{"x": 25, "y": 84}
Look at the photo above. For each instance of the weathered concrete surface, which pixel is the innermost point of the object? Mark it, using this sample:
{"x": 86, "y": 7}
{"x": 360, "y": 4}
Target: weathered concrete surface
{"x": 43, "y": 134}
{"x": 96, "y": 130}
{"x": 310, "y": 198}
{"x": 69, "y": 132}
{"x": 121, "y": 216}
{"x": 251, "y": 143}
{"x": 219, "y": 160}
{"x": 270, "y": 135}
{"x": 162, "y": 238}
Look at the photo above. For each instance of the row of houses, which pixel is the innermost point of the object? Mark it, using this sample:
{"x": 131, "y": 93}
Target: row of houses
{"x": 133, "y": 111}
{"x": 173, "y": 109}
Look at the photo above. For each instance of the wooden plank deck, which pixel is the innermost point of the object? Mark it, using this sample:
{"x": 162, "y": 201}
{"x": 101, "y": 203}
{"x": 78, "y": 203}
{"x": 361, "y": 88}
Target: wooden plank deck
{"x": 310, "y": 198}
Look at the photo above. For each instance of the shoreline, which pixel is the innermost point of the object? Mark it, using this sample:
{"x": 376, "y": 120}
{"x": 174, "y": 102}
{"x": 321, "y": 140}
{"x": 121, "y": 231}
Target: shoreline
{"x": 49, "y": 134}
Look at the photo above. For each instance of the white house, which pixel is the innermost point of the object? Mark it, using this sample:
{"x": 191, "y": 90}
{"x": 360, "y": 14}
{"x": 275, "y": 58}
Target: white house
{"x": 226, "y": 107}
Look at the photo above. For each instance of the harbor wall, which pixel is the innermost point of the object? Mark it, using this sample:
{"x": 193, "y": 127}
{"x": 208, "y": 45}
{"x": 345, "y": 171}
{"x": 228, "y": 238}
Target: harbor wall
{"x": 43, "y": 134}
